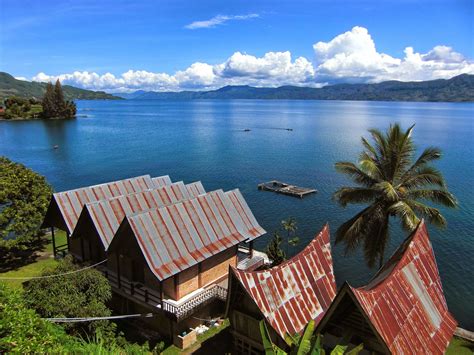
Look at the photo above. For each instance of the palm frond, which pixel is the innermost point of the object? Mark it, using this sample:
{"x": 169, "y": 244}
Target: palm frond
{"x": 370, "y": 166}
{"x": 353, "y": 195}
{"x": 426, "y": 175}
{"x": 433, "y": 215}
{"x": 442, "y": 197}
{"x": 353, "y": 231}
{"x": 407, "y": 216}
{"x": 389, "y": 192}
{"x": 355, "y": 173}
{"x": 429, "y": 154}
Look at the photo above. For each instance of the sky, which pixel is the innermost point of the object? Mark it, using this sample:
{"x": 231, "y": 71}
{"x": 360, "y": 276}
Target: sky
{"x": 123, "y": 46}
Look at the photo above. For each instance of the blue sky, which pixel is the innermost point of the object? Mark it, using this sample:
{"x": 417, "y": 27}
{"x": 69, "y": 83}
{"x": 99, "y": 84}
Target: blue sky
{"x": 58, "y": 38}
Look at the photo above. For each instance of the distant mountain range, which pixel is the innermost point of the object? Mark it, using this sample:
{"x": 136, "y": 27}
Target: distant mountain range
{"x": 9, "y": 86}
{"x": 457, "y": 89}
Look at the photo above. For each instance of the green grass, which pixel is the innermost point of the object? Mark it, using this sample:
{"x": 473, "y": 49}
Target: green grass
{"x": 459, "y": 346}
{"x": 36, "y": 268}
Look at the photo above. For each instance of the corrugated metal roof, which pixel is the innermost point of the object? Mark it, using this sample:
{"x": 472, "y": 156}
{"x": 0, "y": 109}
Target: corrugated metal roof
{"x": 176, "y": 237}
{"x": 195, "y": 189}
{"x": 291, "y": 294}
{"x": 246, "y": 214}
{"x": 107, "y": 215}
{"x": 71, "y": 202}
{"x": 161, "y": 181}
{"x": 405, "y": 300}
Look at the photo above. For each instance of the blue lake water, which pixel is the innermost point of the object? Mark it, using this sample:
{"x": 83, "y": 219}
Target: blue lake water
{"x": 204, "y": 140}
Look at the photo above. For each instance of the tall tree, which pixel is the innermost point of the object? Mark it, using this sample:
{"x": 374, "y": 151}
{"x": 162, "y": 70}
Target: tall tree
{"x": 59, "y": 102}
{"x": 49, "y": 101}
{"x": 394, "y": 184}
{"x": 24, "y": 199}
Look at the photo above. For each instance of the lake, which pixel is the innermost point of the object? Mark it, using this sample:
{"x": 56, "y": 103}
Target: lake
{"x": 205, "y": 140}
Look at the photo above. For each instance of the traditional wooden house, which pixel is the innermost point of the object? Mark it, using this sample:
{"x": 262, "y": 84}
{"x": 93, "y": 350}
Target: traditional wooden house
{"x": 65, "y": 207}
{"x": 287, "y": 296}
{"x": 100, "y": 220}
{"x": 174, "y": 260}
{"x": 402, "y": 310}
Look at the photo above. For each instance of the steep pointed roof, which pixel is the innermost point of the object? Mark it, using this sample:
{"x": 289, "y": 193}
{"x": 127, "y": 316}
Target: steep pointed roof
{"x": 69, "y": 204}
{"x": 106, "y": 215}
{"x": 176, "y": 237}
{"x": 291, "y": 294}
{"x": 405, "y": 301}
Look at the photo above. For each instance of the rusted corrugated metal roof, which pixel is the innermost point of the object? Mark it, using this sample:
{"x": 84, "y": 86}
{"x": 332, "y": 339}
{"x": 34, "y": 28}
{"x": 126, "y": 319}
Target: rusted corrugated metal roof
{"x": 106, "y": 215}
{"x": 161, "y": 181}
{"x": 195, "y": 189}
{"x": 405, "y": 301}
{"x": 176, "y": 237}
{"x": 71, "y": 202}
{"x": 246, "y": 214}
{"x": 291, "y": 294}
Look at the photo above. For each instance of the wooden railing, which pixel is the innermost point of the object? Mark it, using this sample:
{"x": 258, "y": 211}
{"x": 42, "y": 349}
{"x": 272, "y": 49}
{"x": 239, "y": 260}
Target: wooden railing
{"x": 199, "y": 300}
{"x": 134, "y": 289}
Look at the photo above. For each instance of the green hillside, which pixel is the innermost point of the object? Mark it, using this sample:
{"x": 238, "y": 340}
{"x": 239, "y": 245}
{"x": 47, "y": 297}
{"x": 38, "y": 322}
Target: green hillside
{"x": 9, "y": 86}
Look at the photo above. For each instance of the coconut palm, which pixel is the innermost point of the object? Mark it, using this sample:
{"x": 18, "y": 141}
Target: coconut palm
{"x": 394, "y": 185}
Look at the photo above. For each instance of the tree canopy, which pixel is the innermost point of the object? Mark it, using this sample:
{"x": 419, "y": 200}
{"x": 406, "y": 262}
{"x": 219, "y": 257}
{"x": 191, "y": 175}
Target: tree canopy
{"x": 80, "y": 294}
{"x": 54, "y": 104}
{"x": 24, "y": 199}
{"x": 393, "y": 184}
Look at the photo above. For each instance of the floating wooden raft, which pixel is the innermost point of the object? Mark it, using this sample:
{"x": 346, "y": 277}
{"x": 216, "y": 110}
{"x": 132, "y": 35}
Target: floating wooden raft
{"x": 286, "y": 189}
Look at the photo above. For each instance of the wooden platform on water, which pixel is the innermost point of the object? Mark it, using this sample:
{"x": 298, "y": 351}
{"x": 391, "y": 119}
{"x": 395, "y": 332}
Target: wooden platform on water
{"x": 286, "y": 189}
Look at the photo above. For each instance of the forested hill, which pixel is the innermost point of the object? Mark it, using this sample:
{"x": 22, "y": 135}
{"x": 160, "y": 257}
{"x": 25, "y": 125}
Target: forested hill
{"x": 457, "y": 89}
{"x": 9, "y": 86}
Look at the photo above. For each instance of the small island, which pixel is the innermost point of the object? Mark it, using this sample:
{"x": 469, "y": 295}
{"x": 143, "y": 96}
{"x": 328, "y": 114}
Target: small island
{"x": 52, "y": 106}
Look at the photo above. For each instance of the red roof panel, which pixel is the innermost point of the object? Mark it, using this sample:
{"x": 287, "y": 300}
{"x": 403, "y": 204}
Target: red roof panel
{"x": 405, "y": 300}
{"x": 291, "y": 294}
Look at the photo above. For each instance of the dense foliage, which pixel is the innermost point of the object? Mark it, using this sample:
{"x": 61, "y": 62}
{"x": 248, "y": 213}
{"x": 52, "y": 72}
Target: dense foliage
{"x": 18, "y": 107}
{"x": 394, "y": 184}
{"x": 54, "y": 104}
{"x": 22, "y": 331}
{"x": 24, "y": 198}
{"x": 9, "y": 86}
{"x": 459, "y": 88}
{"x": 274, "y": 250}
{"x": 80, "y": 294}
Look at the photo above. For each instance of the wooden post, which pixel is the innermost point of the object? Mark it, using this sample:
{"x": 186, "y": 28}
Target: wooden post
{"x": 199, "y": 275}
{"x": 251, "y": 248}
{"x": 118, "y": 271}
{"x": 161, "y": 293}
{"x": 132, "y": 288}
{"x": 146, "y": 295}
{"x": 54, "y": 241}
{"x": 176, "y": 288}
{"x": 67, "y": 239}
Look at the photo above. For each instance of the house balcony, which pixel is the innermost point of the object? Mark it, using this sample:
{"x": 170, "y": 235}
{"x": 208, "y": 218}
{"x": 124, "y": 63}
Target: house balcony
{"x": 182, "y": 308}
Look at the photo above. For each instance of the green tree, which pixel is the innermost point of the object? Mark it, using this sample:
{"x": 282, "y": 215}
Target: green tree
{"x": 23, "y": 331}
{"x": 54, "y": 105}
{"x": 394, "y": 184}
{"x": 290, "y": 226}
{"x": 274, "y": 251}
{"x": 24, "y": 199}
{"x": 80, "y": 294}
{"x": 48, "y": 102}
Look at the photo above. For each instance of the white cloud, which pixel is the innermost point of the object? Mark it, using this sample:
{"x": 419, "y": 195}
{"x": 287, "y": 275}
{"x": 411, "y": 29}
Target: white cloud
{"x": 352, "y": 56}
{"x": 218, "y": 20}
{"x": 348, "y": 57}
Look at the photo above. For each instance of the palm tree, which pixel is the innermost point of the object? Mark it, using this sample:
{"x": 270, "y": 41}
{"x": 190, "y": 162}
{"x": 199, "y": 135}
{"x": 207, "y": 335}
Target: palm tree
{"x": 394, "y": 185}
{"x": 290, "y": 226}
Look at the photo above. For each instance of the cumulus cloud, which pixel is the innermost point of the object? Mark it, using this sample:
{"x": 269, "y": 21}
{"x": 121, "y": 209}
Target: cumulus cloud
{"x": 218, "y": 20}
{"x": 349, "y": 57}
{"x": 352, "y": 56}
